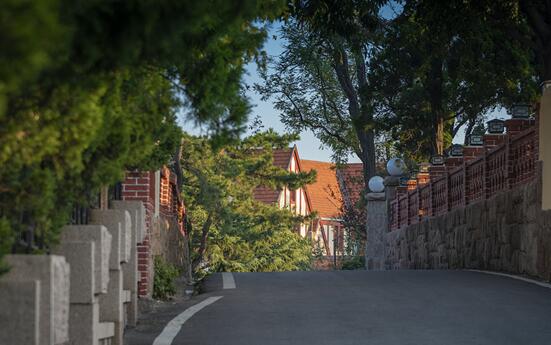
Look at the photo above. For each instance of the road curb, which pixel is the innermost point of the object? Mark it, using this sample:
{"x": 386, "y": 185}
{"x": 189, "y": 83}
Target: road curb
{"x": 527, "y": 280}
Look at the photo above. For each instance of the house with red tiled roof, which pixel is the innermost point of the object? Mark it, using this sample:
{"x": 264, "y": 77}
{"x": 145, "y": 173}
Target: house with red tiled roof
{"x": 326, "y": 199}
{"x": 351, "y": 182}
{"x": 296, "y": 200}
{"x": 326, "y": 196}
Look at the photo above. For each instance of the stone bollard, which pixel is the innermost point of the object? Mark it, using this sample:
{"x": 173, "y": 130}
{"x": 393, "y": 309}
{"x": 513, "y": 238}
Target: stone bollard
{"x": 130, "y": 274}
{"x": 102, "y": 240}
{"x": 111, "y": 305}
{"x": 20, "y": 312}
{"x": 47, "y": 302}
{"x": 377, "y": 225}
{"x": 87, "y": 249}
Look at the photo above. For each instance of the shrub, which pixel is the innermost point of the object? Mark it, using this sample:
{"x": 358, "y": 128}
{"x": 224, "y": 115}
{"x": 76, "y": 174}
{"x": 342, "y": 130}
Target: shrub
{"x": 354, "y": 263}
{"x": 164, "y": 283}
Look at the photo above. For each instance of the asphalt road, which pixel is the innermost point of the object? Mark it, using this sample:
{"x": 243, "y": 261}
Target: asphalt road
{"x": 358, "y": 307}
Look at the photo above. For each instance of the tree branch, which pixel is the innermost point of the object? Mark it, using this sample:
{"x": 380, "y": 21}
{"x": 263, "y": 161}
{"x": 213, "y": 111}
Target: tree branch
{"x": 312, "y": 125}
{"x": 340, "y": 60}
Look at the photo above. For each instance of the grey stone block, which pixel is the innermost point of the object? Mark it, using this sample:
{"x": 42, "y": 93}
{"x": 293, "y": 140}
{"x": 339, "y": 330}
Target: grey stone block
{"x": 137, "y": 213}
{"x": 130, "y": 269}
{"x": 376, "y": 196}
{"x": 53, "y": 273}
{"x": 118, "y": 223}
{"x": 106, "y": 330}
{"x": 111, "y": 305}
{"x": 102, "y": 240}
{"x": 20, "y": 312}
{"x": 80, "y": 255}
{"x": 376, "y": 228}
{"x": 84, "y": 324}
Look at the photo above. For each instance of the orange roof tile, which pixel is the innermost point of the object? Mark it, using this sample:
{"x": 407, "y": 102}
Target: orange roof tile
{"x": 281, "y": 158}
{"x": 351, "y": 182}
{"x": 325, "y": 194}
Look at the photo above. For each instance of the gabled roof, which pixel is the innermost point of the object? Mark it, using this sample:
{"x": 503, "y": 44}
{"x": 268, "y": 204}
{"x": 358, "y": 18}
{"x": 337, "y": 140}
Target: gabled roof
{"x": 351, "y": 182}
{"x": 281, "y": 158}
{"x": 325, "y": 194}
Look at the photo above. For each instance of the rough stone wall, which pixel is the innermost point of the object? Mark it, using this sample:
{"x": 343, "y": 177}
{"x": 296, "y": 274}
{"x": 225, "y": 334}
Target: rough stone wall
{"x": 167, "y": 241}
{"x": 507, "y": 232}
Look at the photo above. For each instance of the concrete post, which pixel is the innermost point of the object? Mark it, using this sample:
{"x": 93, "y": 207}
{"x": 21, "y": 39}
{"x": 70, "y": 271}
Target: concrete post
{"x": 130, "y": 274}
{"x": 20, "y": 312}
{"x": 53, "y": 273}
{"x": 377, "y": 225}
{"x": 545, "y": 143}
{"x": 391, "y": 184}
{"x": 102, "y": 239}
{"x": 118, "y": 223}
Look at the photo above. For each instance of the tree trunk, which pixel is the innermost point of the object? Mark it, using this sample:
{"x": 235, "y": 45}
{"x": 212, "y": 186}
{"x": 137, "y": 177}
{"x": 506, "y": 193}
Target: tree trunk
{"x": 203, "y": 243}
{"x": 440, "y": 135}
{"x": 367, "y": 143}
{"x": 435, "y": 91}
{"x": 547, "y": 64}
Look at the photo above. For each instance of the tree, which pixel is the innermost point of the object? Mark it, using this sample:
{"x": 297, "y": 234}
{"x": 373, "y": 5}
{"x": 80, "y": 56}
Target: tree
{"x": 536, "y": 13}
{"x": 230, "y": 229}
{"x": 91, "y": 88}
{"x": 435, "y": 71}
{"x": 320, "y": 83}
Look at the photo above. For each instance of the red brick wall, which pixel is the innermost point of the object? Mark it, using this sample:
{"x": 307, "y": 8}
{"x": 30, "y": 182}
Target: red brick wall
{"x": 141, "y": 186}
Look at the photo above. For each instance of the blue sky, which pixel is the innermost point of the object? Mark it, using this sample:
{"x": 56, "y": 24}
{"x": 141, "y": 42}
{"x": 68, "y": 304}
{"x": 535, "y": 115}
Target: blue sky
{"x": 309, "y": 146}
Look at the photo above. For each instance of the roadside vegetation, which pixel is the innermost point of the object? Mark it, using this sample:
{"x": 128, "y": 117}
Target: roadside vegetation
{"x": 230, "y": 230}
{"x": 164, "y": 283}
{"x": 89, "y": 89}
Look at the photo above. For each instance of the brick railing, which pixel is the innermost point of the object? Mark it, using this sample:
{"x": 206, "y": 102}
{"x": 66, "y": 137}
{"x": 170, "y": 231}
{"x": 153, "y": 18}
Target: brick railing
{"x": 500, "y": 168}
{"x": 171, "y": 202}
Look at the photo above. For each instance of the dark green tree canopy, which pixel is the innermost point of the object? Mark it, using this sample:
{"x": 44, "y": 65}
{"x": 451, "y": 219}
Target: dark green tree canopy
{"x": 89, "y": 88}
{"x": 230, "y": 229}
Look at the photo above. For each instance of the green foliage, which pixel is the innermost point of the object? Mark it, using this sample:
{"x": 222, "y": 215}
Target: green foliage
{"x": 353, "y": 263}
{"x": 164, "y": 285}
{"x": 230, "y": 229}
{"x": 369, "y": 85}
{"x": 89, "y": 88}
{"x": 319, "y": 81}
{"x": 59, "y": 153}
{"x": 432, "y": 65}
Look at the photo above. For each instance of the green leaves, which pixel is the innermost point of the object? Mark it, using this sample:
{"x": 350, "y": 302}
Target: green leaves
{"x": 164, "y": 285}
{"x": 89, "y": 88}
{"x": 232, "y": 230}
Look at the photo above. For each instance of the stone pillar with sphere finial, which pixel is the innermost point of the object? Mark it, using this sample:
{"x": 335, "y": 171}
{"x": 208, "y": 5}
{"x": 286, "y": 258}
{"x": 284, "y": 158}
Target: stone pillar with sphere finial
{"x": 377, "y": 213}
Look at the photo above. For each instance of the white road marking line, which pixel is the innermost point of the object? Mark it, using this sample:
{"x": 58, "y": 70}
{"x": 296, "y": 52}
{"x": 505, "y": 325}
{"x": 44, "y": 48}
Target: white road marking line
{"x": 175, "y": 325}
{"x": 227, "y": 281}
{"x": 545, "y": 285}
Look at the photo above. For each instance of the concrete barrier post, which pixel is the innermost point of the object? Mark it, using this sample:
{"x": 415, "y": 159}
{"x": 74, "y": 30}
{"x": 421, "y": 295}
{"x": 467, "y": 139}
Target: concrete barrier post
{"x": 53, "y": 273}
{"x": 130, "y": 274}
{"x": 102, "y": 239}
{"x": 20, "y": 312}
{"x": 111, "y": 305}
{"x": 377, "y": 225}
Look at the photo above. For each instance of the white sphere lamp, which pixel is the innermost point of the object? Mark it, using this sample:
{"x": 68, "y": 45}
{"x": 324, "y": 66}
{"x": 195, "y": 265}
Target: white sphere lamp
{"x": 376, "y": 184}
{"x": 396, "y": 167}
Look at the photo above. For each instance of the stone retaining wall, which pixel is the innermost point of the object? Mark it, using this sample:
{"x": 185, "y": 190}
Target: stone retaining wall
{"x": 507, "y": 232}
